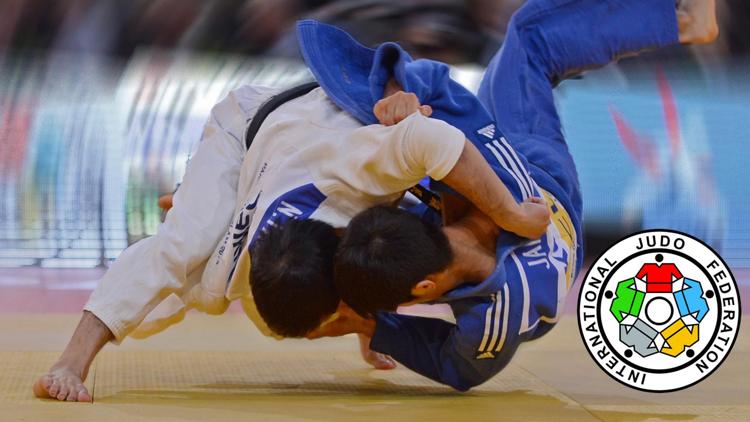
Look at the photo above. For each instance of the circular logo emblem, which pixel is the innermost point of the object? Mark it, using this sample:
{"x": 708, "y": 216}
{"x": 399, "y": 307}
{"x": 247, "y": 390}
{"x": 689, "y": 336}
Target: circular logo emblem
{"x": 659, "y": 311}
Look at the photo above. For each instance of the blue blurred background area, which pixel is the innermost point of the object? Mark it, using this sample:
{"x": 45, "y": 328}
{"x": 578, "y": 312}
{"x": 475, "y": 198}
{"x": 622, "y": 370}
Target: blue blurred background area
{"x": 102, "y": 102}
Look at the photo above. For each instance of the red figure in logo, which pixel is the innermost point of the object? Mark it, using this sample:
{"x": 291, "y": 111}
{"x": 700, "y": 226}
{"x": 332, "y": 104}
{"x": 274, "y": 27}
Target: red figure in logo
{"x": 659, "y": 277}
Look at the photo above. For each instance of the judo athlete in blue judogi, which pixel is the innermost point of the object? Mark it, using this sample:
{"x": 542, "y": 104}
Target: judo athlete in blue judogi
{"x": 514, "y": 123}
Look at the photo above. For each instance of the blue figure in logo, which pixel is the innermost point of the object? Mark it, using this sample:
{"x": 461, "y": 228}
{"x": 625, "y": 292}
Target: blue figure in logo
{"x": 690, "y": 300}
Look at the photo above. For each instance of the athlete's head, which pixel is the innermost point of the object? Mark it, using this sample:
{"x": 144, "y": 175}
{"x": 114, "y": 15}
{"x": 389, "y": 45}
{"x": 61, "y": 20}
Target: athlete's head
{"x": 389, "y": 257}
{"x": 292, "y": 276}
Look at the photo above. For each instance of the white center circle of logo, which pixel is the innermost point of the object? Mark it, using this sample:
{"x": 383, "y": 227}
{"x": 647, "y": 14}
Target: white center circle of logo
{"x": 659, "y": 311}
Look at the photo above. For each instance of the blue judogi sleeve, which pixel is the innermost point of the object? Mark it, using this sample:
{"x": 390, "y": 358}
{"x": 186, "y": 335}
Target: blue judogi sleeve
{"x": 462, "y": 355}
{"x": 429, "y": 347}
{"x": 521, "y": 300}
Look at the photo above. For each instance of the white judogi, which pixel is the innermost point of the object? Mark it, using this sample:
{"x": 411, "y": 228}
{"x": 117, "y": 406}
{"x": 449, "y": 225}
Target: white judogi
{"x": 309, "y": 159}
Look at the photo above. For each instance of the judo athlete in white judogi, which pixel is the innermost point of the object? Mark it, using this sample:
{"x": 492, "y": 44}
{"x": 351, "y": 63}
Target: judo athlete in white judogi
{"x": 309, "y": 160}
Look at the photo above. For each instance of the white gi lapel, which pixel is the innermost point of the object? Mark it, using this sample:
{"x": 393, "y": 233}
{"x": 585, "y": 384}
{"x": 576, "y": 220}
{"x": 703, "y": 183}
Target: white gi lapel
{"x": 239, "y": 288}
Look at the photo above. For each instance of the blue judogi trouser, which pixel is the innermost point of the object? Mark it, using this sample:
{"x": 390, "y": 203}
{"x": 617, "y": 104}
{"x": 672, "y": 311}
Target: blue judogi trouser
{"x": 547, "y": 41}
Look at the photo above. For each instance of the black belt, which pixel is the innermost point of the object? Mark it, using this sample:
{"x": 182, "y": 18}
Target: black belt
{"x": 272, "y": 104}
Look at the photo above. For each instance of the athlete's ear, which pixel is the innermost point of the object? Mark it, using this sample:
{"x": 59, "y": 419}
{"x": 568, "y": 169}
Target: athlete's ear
{"x": 424, "y": 288}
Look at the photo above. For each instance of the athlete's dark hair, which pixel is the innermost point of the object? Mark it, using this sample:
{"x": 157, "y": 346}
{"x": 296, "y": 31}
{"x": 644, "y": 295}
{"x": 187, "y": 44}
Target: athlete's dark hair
{"x": 292, "y": 276}
{"x": 383, "y": 254}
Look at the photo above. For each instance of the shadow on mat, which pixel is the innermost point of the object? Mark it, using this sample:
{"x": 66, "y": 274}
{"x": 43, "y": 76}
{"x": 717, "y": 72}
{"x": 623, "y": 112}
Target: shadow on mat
{"x": 331, "y": 393}
{"x": 244, "y": 390}
{"x": 372, "y": 393}
{"x": 392, "y": 399}
{"x": 357, "y": 382}
{"x": 620, "y": 416}
{"x": 317, "y": 389}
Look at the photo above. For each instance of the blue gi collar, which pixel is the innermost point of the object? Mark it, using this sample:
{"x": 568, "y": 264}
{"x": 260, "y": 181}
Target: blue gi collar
{"x": 506, "y": 242}
{"x": 352, "y": 75}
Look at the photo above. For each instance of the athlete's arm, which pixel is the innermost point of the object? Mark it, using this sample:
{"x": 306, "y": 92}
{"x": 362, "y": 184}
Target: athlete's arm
{"x": 385, "y": 161}
{"x": 471, "y": 176}
{"x": 431, "y": 347}
{"x": 438, "y": 349}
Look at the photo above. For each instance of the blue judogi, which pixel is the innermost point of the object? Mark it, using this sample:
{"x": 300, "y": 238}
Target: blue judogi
{"x": 514, "y": 123}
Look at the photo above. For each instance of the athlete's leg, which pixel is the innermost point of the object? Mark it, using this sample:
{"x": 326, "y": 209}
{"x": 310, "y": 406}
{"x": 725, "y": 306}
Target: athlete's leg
{"x": 152, "y": 269}
{"x": 548, "y": 40}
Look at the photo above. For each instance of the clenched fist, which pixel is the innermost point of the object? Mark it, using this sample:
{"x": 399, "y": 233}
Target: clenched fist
{"x": 397, "y": 107}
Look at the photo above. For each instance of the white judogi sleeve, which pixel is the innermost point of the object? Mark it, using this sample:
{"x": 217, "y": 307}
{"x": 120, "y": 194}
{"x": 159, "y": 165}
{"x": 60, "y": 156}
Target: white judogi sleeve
{"x": 383, "y": 160}
{"x": 167, "y": 264}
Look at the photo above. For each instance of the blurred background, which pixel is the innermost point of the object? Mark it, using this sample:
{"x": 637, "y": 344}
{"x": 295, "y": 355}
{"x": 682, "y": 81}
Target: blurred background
{"x": 102, "y": 102}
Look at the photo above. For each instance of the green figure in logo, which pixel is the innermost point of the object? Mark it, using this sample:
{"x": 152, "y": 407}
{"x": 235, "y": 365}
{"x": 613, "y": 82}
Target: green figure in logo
{"x": 628, "y": 300}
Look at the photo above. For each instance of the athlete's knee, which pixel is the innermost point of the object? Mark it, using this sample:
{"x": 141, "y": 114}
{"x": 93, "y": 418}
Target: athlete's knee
{"x": 532, "y": 12}
{"x": 213, "y": 306}
{"x": 536, "y": 31}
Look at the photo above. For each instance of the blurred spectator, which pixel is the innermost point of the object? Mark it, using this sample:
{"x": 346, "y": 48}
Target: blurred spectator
{"x": 449, "y": 30}
{"x": 10, "y": 12}
{"x": 735, "y": 22}
{"x": 439, "y": 29}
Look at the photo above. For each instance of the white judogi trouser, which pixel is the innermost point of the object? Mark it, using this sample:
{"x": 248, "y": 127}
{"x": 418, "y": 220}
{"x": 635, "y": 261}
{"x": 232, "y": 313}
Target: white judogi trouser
{"x": 153, "y": 282}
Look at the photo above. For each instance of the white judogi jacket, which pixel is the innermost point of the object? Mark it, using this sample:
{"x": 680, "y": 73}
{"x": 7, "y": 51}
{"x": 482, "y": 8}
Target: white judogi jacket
{"x": 309, "y": 159}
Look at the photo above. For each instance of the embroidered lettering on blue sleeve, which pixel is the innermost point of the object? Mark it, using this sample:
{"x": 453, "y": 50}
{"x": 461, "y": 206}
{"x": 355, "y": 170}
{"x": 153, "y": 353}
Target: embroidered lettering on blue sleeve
{"x": 299, "y": 204}
{"x": 541, "y": 266}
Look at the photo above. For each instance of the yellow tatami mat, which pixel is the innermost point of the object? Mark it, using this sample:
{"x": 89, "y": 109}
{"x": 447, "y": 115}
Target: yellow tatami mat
{"x": 220, "y": 368}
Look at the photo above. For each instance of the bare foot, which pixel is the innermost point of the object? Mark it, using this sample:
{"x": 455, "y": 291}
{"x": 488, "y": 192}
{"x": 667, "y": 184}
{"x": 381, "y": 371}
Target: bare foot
{"x": 697, "y": 21}
{"x": 64, "y": 381}
{"x": 62, "y": 384}
{"x": 377, "y": 360}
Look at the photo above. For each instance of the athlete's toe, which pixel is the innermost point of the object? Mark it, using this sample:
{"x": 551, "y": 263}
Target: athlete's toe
{"x": 63, "y": 393}
{"x": 53, "y": 389}
{"x": 41, "y": 387}
{"x": 84, "y": 396}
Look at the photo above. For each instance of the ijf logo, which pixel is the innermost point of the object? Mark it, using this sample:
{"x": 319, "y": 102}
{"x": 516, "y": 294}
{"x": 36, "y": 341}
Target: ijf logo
{"x": 659, "y": 311}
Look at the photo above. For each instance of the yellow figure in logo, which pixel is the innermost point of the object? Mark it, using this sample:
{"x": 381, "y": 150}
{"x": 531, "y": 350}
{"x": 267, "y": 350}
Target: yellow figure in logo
{"x": 677, "y": 337}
